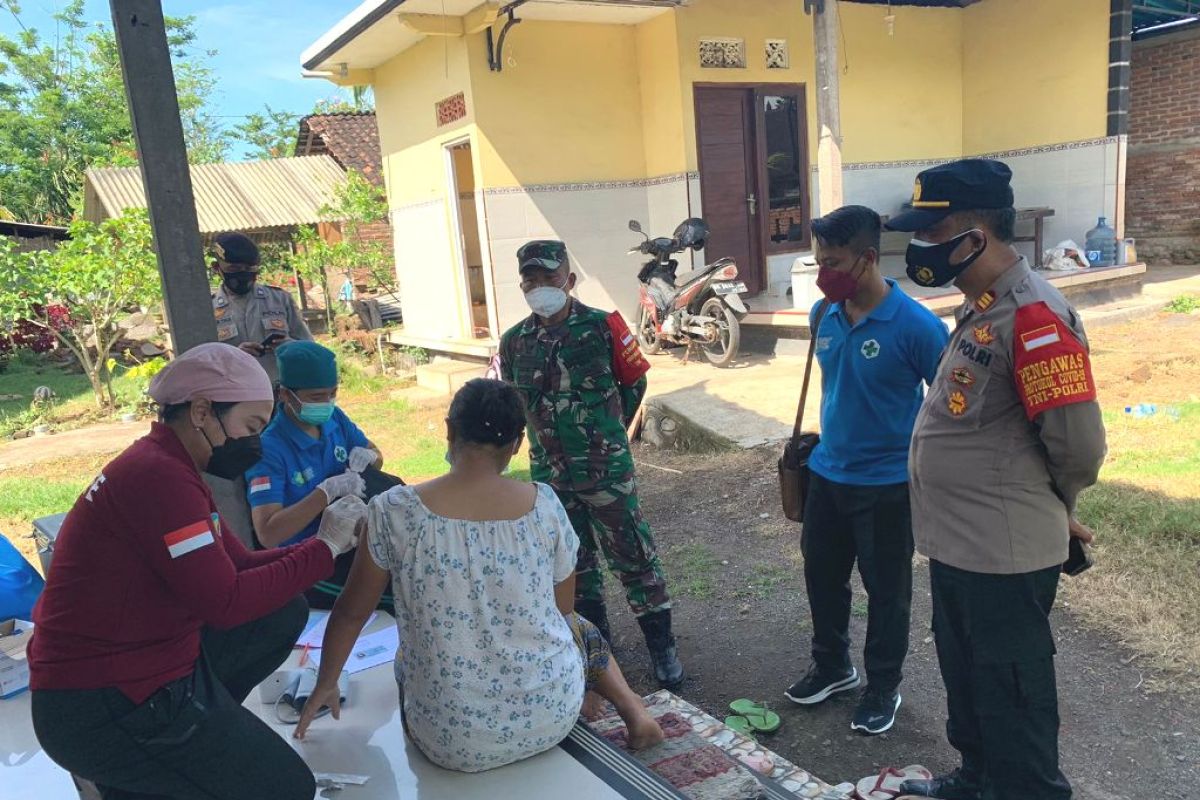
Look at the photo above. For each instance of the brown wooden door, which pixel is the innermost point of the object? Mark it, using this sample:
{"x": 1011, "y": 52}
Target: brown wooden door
{"x": 725, "y": 136}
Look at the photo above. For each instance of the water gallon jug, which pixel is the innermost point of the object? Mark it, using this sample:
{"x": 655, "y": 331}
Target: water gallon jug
{"x": 1101, "y": 245}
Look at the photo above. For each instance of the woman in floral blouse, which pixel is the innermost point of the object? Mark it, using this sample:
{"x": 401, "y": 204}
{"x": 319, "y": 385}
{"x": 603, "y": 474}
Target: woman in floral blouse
{"x": 495, "y": 663}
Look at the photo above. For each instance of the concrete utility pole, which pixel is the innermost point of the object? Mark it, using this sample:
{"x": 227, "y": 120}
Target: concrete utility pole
{"x": 829, "y": 113}
{"x": 162, "y": 155}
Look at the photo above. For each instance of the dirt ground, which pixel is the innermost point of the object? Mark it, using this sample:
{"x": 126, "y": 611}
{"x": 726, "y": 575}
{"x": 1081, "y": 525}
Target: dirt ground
{"x": 742, "y": 624}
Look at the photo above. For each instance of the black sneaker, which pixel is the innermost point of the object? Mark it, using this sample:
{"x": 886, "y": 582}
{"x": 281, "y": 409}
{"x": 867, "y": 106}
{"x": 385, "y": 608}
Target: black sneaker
{"x": 955, "y": 786}
{"x": 817, "y": 686}
{"x": 876, "y": 712}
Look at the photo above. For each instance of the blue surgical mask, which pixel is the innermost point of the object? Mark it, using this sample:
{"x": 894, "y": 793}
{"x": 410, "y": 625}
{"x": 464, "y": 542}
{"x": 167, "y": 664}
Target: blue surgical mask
{"x": 314, "y": 413}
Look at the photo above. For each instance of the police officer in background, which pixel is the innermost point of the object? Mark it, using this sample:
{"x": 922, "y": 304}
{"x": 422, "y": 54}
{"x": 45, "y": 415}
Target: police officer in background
{"x": 1010, "y": 433}
{"x": 253, "y": 317}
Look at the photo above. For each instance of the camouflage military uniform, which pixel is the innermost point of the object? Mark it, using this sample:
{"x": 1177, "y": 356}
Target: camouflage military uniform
{"x": 578, "y": 412}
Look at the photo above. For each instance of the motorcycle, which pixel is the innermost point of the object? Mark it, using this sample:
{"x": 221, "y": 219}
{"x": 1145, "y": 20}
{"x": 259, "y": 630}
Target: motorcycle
{"x": 704, "y": 310}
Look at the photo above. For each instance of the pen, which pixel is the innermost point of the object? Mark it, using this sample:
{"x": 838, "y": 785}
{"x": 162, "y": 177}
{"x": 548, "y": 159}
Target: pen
{"x": 304, "y": 655}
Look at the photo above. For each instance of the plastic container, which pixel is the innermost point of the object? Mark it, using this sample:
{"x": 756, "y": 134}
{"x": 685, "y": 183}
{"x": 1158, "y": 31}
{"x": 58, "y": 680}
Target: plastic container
{"x": 1101, "y": 245}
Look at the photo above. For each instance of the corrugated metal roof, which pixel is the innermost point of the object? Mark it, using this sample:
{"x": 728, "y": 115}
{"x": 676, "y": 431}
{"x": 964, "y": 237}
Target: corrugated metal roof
{"x": 244, "y": 196}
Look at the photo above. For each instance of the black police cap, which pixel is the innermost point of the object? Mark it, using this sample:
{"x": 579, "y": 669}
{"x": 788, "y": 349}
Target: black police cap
{"x": 236, "y": 248}
{"x": 967, "y": 185}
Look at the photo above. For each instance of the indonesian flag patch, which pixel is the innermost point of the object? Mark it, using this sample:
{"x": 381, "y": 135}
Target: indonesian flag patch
{"x": 1050, "y": 365}
{"x": 189, "y": 538}
{"x": 260, "y": 484}
{"x": 629, "y": 365}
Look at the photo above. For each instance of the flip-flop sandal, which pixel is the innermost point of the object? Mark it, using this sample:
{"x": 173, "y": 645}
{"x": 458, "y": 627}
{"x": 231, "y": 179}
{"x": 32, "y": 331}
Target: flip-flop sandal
{"x": 740, "y": 725}
{"x": 886, "y": 785}
{"x": 760, "y": 717}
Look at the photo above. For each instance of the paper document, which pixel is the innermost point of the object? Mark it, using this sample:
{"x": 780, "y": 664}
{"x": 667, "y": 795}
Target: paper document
{"x": 315, "y": 633}
{"x": 369, "y": 651}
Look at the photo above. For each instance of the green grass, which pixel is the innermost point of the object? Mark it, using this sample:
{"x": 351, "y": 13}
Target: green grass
{"x": 74, "y": 403}
{"x": 1185, "y": 304}
{"x": 1146, "y": 514}
{"x": 29, "y": 498}
{"x": 764, "y": 580}
{"x": 693, "y": 570}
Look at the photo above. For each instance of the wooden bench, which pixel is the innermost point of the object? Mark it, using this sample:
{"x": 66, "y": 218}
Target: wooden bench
{"x": 1035, "y": 215}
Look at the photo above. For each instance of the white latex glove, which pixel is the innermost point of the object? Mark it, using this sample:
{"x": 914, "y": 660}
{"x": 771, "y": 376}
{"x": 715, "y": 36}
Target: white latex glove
{"x": 348, "y": 484}
{"x": 361, "y": 458}
{"x": 340, "y": 524}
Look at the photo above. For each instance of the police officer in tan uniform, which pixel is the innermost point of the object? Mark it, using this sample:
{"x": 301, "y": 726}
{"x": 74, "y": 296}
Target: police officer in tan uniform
{"x": 247, "y": 313}
{"x": 1010, "y": 433}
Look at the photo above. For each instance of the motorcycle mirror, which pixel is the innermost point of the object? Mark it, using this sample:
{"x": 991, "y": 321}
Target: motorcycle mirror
{"x": 636, "y": 227}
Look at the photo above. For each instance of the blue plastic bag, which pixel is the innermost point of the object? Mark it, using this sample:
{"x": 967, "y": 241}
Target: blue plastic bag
{"x": 20, "y": 584}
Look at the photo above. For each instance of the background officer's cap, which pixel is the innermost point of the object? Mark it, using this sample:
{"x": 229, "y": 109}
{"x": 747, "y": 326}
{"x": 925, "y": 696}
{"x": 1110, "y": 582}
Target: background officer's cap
{"x": 968, "y": 185}
{"x": 547, "y": 254}
{"x": 236, "y": 248}
{"x": 306, "y": 365}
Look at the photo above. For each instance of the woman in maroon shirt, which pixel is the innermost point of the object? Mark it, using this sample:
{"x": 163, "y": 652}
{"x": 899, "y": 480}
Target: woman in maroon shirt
{"x": 156, "y": 622}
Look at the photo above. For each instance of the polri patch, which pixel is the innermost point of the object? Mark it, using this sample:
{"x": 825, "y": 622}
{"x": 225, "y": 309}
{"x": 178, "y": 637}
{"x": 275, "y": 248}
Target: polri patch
{"x": 957, "y": 403}
{"x": 984, "y": 333}
{"x": 1050, "y": 364}
{"x": 963, "y": 377}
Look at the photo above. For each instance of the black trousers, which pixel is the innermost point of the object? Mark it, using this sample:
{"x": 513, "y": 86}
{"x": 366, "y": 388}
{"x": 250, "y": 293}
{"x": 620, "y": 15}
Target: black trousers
{"x": 996, "y": 652}
{"x": 192, "y": 739}
{"x": 873, "y": 525}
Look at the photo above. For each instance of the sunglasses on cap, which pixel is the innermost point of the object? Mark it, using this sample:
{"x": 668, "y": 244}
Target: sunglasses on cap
{"x": 547, "y": 255}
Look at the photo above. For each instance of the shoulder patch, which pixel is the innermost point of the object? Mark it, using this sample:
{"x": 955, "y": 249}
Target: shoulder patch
{"x": 1050, "y": 364}
{"x": 629, "y": 365}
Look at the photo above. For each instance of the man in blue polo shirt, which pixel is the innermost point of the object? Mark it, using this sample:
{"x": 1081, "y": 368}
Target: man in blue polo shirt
{"x": 877, "y": 349}
{"x": 312, "y": 455}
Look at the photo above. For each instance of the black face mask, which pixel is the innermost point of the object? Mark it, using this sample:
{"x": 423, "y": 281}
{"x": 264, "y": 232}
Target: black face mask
{"x": 239, "y": 282}
{"x": 232, "y": 457}
{"x": 929, "y": 264}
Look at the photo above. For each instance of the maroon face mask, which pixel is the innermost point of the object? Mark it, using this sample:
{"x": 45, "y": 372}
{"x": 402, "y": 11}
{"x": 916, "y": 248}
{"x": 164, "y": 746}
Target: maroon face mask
{"x": 837, "y": 286}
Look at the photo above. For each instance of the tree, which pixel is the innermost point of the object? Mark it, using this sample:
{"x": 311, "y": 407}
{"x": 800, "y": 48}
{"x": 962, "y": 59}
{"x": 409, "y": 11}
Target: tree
{"x": 361, "y": 99}
{"x": 356, "y": 203}
{"x": 99, "y": 274}
{"x": 63, "y": 109}
{"x": 272, "y": 134}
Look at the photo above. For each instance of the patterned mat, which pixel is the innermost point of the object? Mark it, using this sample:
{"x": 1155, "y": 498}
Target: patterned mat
{"x": 785, "y": 779}
{"x": 698, "y": 769}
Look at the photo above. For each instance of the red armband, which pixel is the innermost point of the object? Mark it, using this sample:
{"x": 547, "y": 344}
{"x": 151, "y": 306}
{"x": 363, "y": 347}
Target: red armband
{"x": 1050, "y": 365}
{"x": 629, "y": 365}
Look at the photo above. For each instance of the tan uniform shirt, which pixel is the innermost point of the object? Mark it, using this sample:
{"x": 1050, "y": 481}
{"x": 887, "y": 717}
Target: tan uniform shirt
{"x": 250, "y": 317}
{"x": 1009, "y": 434}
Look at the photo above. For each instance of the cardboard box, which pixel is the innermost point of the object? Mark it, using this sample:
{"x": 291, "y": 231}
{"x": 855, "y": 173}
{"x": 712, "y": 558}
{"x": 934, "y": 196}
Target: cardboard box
{"x": 14, "y": 668}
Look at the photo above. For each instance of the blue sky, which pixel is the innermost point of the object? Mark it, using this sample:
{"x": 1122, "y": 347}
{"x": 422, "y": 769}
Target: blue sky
{"x": 258, "y": 44}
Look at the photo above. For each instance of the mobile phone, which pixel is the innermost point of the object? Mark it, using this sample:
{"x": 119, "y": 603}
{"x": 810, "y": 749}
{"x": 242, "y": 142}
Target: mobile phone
{"x": 273, "y": 339}
{"x": 1079, "y": 560}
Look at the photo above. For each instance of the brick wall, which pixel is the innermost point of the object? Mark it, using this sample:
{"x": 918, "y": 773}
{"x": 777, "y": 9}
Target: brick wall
{"x": 1163, "y": 171}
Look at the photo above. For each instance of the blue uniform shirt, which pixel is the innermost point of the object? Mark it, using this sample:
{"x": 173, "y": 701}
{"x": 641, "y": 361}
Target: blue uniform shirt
{"x": 872, "y": 387}
{"x": 293, "y": 462}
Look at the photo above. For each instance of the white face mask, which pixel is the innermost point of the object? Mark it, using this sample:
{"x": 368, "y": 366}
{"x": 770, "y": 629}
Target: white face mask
{"x": 546, "y": 301}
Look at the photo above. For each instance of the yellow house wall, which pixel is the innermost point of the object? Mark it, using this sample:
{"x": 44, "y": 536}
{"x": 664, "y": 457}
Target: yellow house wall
{"x": 407, "y": 89}
{"x": 1042, "y": 65}
{"x": 575, "y": 85}
{"x": 662, "y": 96}
{"x": 897, "y": 106}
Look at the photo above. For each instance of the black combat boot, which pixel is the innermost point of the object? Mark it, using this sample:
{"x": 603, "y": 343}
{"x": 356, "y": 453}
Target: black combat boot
{"x": 595, "y": 612}
{"x": 656, "y": 627}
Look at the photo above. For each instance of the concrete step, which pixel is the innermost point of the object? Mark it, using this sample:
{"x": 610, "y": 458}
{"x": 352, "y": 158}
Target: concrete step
{"x": 445, "y": 377}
